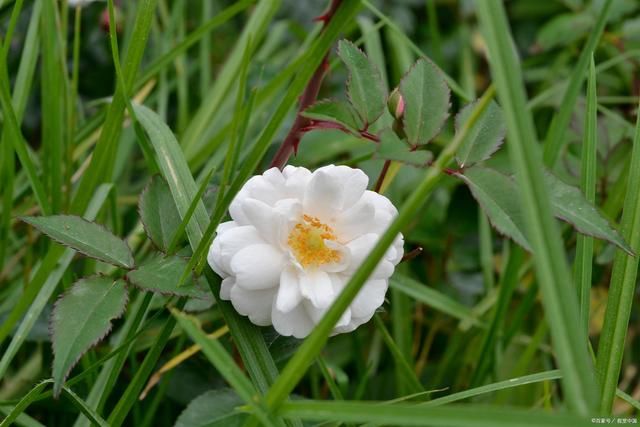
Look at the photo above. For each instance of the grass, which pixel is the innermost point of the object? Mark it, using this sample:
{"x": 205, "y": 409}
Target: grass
{"x": 474, "y": 331}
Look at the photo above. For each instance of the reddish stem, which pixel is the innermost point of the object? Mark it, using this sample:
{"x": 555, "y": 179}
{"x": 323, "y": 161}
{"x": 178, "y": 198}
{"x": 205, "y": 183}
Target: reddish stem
{"x": 411, "y": 255}
{"x": 383, "y": 174}
{"x": 292, "y": 140}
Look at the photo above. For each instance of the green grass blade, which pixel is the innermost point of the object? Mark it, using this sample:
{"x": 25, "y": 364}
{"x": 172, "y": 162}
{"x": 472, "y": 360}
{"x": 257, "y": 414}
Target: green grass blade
{"x": 553, "y": 274}
{"x": 406, "y": 373}
{"x": 218, "y": 356}
{"x": 124, "y": 88}
{"x": 491, "y": 338}
{"x": 197, "y": 200}
{"x": 54, "y": 102}
{"x": 255, "y": 29}
{"x": 621, "y": 287}
{"x": 331, "y": 383}
{"x": 415, "y": 415}
{"x": 104, "y": 154}
{"x": 193, "y": 37}
{"x": 14, "y": 134}
{"x": 432, "y": 298}
{"x": 494, "y": 387}
{"x": 310, "y": 348}
{"x": 584, "y": 245}
{"x": 555, "y": 138}
{"x": 34, "y": 394}
{"x": 23, "y": 83}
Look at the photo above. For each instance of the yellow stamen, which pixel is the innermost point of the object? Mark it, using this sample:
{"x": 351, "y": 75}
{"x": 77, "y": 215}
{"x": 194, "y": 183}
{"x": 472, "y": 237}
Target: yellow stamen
{"x": 307, "y": 242}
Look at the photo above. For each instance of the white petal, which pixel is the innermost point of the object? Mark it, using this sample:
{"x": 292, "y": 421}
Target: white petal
{"x": 315, "y": 285}
{"x": 226, "y": 286}
{"x": 385, "y": 212}
{"x": 214, "y": 259}
{"x": 214, "y": 256}
{"x": 273, "y": 223}
{"x": 253, "y": 303}
{"x": 268, "y": 188}
{"x": 296, "y": 322}
{"x": 231, "y": 241}
{"x": 257, "y": 266}
{"x": 289, "y": 295}
{"x": 356, "y": 221}
{"x": 370, "y": 297}
{"x": 333, "y": 189}
{"x": 297, "y": 179}
{"x": 360, "y": 249}
{"x": 398, "y": 245}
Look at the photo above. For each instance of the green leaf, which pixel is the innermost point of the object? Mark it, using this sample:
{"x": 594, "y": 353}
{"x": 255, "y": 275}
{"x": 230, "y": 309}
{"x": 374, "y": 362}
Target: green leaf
{"x": 161, "y": 275}
{"x": 485, "y": 138}
{"x": 564, "y": 29}
{"x": 338, "y": 112}
{"x": 569, "y": 204}
{"x": 426, "y": 98}
{"x": 158, "y": 213}
{"x": 86, "y": 237}
{"x": 364, "y": 87}
{"x": 81, "y": 318}
{"x": 393, "y": 148}
{"x": 497, "y": 194}
{"x": 214, "y": 408}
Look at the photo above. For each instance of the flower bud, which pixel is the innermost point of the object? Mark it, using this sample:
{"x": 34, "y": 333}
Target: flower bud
{"x": 395, "y": 104}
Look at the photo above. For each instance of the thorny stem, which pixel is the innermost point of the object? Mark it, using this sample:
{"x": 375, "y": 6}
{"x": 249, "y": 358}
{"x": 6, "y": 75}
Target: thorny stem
{"x": 290, "y": 143}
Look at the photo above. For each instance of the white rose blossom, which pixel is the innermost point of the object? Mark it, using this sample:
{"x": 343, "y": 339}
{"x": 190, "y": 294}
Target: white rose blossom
{"x": 295, "y": 239}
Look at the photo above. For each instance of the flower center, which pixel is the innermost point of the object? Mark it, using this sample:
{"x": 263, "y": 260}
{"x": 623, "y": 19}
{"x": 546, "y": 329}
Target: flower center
{"x": 307, "y": 242}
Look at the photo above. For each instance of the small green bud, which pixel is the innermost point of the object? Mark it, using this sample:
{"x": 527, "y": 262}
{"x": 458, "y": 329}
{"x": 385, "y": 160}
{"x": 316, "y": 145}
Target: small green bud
{"x": 395, "y": 104}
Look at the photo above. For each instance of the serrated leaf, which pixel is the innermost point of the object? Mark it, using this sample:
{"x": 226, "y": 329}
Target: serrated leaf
{"x": 332, "y": 111}
{"x": 426, "y": 98}
{"x": 391, "y": 147}
{"x": 86, "y": 237}
{"x": 484, "y": 138}
{"x": 498, "y": 197}
{"x": 162, "y": 275}
{"x": 570, "y": 205}
{"x": 564, "y": 29}
{"x": 213, "y": 408}
{"x": 158, "y": 213}
{"x": 82, "y": 318}
{"x": 364, "y": 87}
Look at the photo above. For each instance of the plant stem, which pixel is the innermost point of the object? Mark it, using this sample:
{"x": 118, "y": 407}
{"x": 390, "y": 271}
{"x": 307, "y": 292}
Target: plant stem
{"x": 292, "y": 140}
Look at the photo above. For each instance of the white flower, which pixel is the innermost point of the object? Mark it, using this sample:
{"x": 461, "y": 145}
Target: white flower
{"x": 295, "y": 240}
